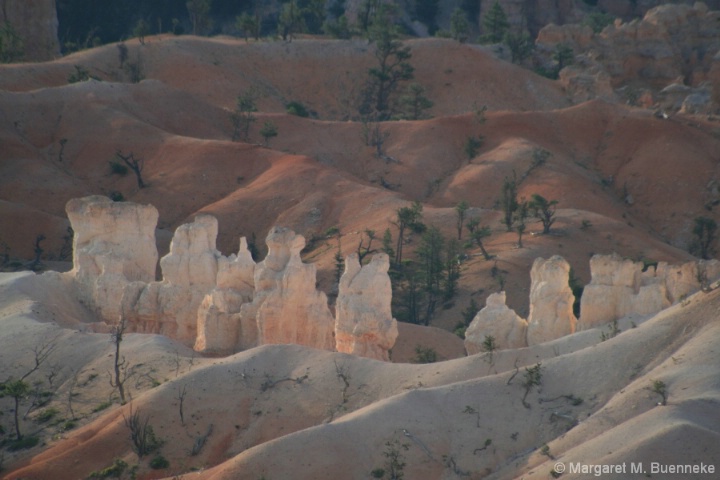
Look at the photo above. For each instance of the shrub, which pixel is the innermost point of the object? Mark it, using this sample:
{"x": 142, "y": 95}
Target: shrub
{"x": 296, "y": 108}
{"x": 23, "y": 444}
{"x": 116, "y": 196}
{"x": 47, "y": 415}
{"x": 117, "y": 168}
{"x": 472, "y": 146}
{"x": 102, "y": 407}
{"x": 425, "y": 354}
{"x": 113, "y": 471}
{"x": 159, "y": 462}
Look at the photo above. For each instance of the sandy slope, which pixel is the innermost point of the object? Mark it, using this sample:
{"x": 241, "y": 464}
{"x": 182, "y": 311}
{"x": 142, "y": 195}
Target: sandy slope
{"x": 287, "y": 411}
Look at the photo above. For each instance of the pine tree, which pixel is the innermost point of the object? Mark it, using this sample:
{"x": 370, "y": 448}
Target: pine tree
{"x": 495, "y": 24}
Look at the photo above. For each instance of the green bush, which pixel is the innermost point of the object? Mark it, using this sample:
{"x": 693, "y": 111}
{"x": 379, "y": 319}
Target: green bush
{"x": 47, "y": 414}
{"x": 297, "y": 108}
{"x": 117, "y": 168}
{"x": 23, "y": 443}
{"x": 113, "y": 471}
{"x": 425, "y": 354}
{"x": 159, "y": 462}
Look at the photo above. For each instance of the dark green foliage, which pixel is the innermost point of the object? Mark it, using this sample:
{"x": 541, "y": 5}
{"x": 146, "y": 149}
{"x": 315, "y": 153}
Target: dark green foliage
{"x": 704, "y": 231}
{"x": 432, "y": 267}
{"x": 243, "y": 116}
{"x": 563, "y": 55}
{"x": 508, "y": 201}
{"x": 468, "y": 315}
{"x": 660, "y": 388}
{"x": 425, "y": 354}
{"x": 199, "y": 13}
{"x": 495, "y": 24}
{"x": 413, "y": 102}
{"x": 141, "y": 30}
{"x": 391, "y": 70}
{"x": 81, "y": 74}
{"x": 23, "y": 443}
{"x": 473, "y": 145}
{"x": 520, "y": 44}
{"x": 142, "y": 435}
{"x": 297, "y": 109}
{"x": 159, "y": 462}
{"x": 249, "y": 25}
{"x": 598, "y": 20}
{"x": 426, "y": 11}
{"x": 544, "y": 210}
{"x": 459, "y": 25}
{"x": 47, "y": 415}
{"x": 478, "y": 234}
{"x": 461, "y": 211}
{"x": 291, "y": 20}
{"x": 116, "y": 196}
{"x": 268, "y": 131}
{"x": 407, "y": 217}
{"x": 387, "y": 244}
{"x": 11, "y": 45}
{"x": 577, "y": 290}
{"x": 337, "y": 27}
{"x": 117, "y": 168}
{"x": 472, "y": 9}
{"x": 531, "y": 378}
{"x": 115, "y": 470}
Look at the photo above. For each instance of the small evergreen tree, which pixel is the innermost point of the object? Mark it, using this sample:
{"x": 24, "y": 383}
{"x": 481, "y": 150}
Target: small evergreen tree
{"x": 704, "y": 230}
{"x": 459, "y": 25}
{"x": 544, "y": 210}
{"x": 461, "y": 210}
{"x": 520, "y": 45}
{"x": 413, "y": 102}
{"x": 268, "y": 131}
{"x": 508, "y": 201}
{"x": 243, "y": 116}
{"x": 478, "y": 233}
{"x": 495, "y": 24}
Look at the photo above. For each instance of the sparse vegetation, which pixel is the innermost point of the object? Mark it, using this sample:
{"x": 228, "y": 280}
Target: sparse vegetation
{"x": 244, "y": 115}
{"x": 509, "y": 201}
{"x": 659, "y": 387}
{"x": 473, "y": 145}
{"x": 531, "y": 378}
{"x": 394, "y": 465}
{"x": 135, "y": 164}
{"x": 489, "y": 346}
{"x": 425, "y": 354}
{"x": 544, "y": 210}
{"x": 269, "y": 130}
{"x": 704, "y": 231}
{"x": 142, "y": 435}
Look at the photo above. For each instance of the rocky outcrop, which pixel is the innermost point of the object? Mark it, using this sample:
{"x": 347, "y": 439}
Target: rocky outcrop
{"x": 499, "y": 321}
{"x": 218, "y": 318}
{"x": 189, "y": 272}
{"x": 673, "y": 43}
{"x": 36, "y": 24}
{"x": 363, "y": 319}
{"x": 113, "y": 245}
{"x": 620, "y": 288}
{"x": 551, "y": 301}
{"x": 287, "y": 308}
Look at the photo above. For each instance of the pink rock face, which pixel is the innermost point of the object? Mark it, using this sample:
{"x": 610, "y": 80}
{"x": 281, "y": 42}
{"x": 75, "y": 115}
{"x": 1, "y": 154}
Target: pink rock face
{"x": 551, "y": 301}
{"x": 619, "y": 288}
{"x": 287, "y": 308}
{"x": 114, "y": 244}
{"x": 498, "y": 321}
{"x": 219, "y": 326}
{"x": 363, "y": 319}
{"x": 170, "y": 307}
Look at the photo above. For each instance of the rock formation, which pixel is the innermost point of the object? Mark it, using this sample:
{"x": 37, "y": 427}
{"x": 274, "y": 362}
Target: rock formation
{"x": 114, "y": 244}
{"x": 499, "y": 321}
{"x": 189, "y": 272}
{"x": 286, "y": 307}
{"x": 363, "y": 319}
{"x": 619, "y": 287}
{"x": 218, "y": 318}
{"x": 36, "y": 24}
{"x": 551, "y": 301}
{"x": 672, "y": 44}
